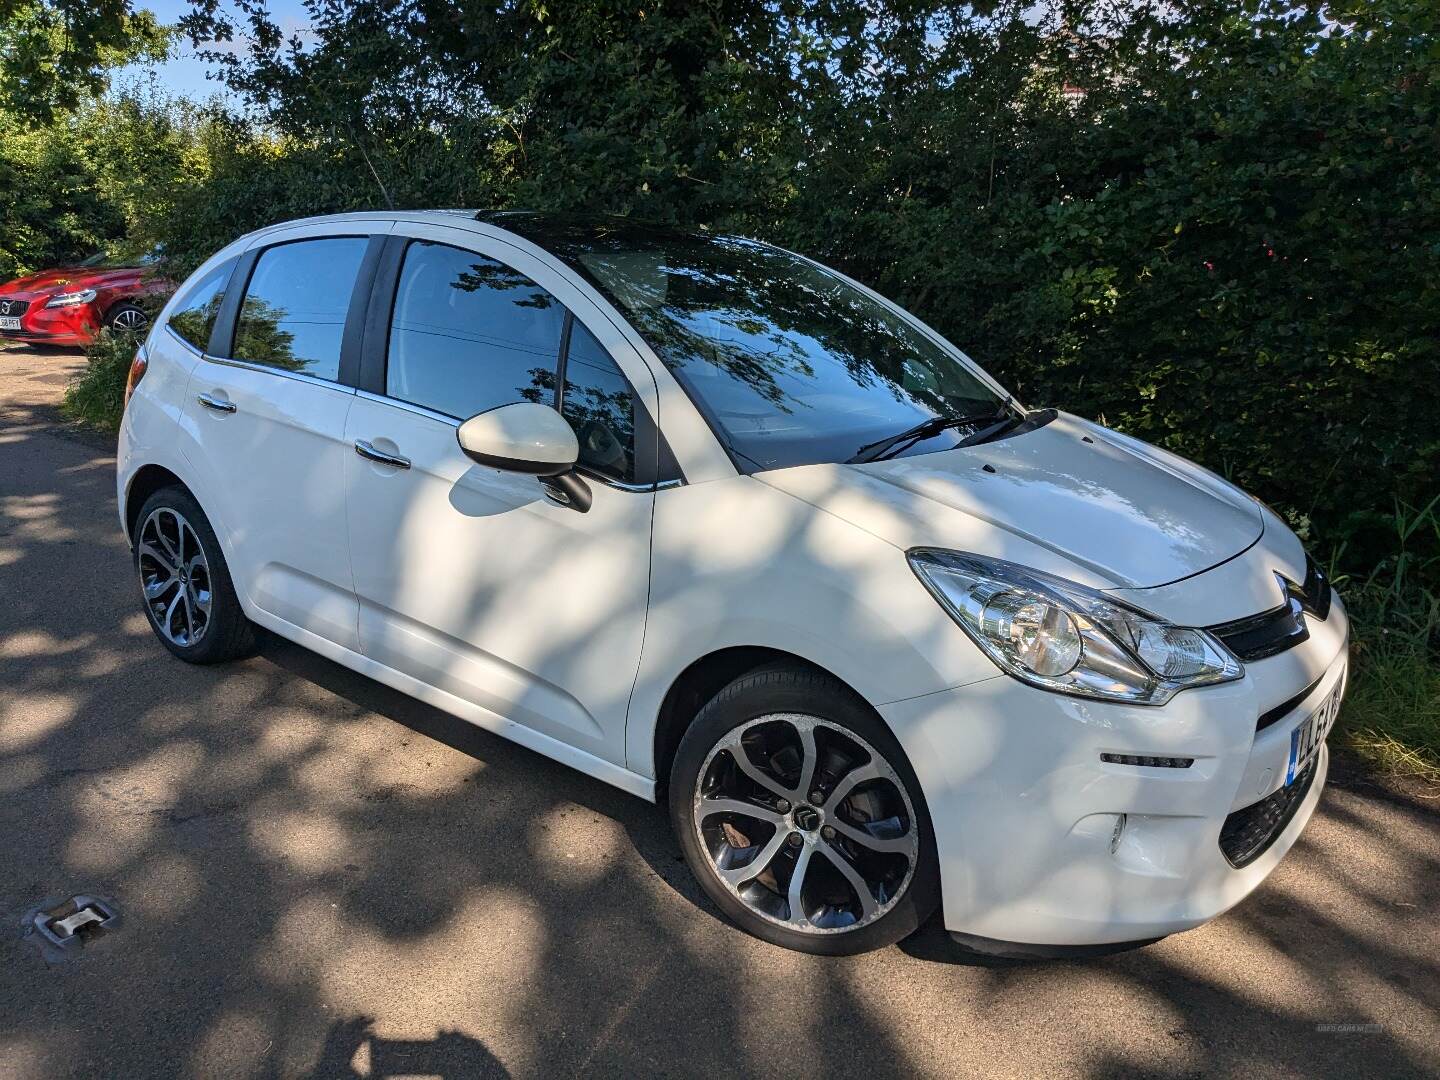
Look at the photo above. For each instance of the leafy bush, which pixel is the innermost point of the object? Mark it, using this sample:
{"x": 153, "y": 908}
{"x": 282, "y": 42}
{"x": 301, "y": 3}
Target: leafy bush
{"x": 51, "y": 207}
{"x": 96, "y": 396}
{"x": 1234, "y": 254}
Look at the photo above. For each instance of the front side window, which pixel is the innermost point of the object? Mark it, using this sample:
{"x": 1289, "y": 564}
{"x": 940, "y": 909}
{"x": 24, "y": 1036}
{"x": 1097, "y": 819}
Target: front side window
{"x": 600, "y": 406}
{"x": 470, "y": 333}
{"x": 194, "y": 315}
{"x": 791, "y": 364}
{"x": 293, "y": 316}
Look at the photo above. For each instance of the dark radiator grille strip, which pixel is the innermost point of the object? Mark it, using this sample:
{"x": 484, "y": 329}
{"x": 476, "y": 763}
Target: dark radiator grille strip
{"x": 1271, "y": 632}
{"x": 1258, "y": 636}
{"x": 1315, "y": 591}
{"x": 1279, "y": 712}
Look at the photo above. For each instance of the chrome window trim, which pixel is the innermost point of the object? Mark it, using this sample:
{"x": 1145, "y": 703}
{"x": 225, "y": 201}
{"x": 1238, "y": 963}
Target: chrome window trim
{"x": 599, "y": 478}
{"x": 176, "y": 335}
{"x": 411, "y": 407}
{"x": 266, "y": 369}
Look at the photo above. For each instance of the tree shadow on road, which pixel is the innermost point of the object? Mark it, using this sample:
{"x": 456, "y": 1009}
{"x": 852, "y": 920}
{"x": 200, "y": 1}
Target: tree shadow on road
{"x": 321, "y": 876}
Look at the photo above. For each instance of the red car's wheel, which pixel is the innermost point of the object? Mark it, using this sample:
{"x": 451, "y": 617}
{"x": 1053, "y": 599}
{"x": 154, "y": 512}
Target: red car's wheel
{"x": 127, "y": 317}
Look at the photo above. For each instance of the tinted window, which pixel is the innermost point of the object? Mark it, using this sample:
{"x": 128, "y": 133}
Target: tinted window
{"x": 600, "y": 406}
{"x": 470, "y": 333}
{"x": 791, "y": 364}
{"x": 194, "y": 314}
{"x": 294, "y": 312}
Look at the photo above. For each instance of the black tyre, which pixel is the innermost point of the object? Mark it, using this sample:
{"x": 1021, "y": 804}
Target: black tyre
{"x": 185, "y": 584}
{"x": 801, "y": 817}
{"x": 127, "y": 317}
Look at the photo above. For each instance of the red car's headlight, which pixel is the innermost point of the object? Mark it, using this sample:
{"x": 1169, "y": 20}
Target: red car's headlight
{"x": 71, "y": 299}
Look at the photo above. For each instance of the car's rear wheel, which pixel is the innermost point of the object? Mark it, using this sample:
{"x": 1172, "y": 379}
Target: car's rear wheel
{"x": 185, "y": 583}
{"x": 129, "y": 318}
{"x": 801, "y": 817}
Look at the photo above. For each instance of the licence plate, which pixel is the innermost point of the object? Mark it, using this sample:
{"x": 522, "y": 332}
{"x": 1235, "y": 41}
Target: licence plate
{"x": 9, "y": 323}
{"x": 1309, "y": 735}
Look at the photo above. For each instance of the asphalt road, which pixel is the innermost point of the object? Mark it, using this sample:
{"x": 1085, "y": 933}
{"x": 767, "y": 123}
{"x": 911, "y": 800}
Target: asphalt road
{"x": 319, "y": 876}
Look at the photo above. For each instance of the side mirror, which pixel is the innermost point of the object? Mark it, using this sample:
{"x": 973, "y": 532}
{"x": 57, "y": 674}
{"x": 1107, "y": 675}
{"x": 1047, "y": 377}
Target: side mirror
{"x": 527, "y": 437}
{"x": 524, "y": 437}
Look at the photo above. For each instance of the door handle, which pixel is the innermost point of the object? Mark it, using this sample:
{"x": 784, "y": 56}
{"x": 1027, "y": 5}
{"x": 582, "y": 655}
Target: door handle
{"x": 218, "y": 404}
{"x": 395, "y": 461}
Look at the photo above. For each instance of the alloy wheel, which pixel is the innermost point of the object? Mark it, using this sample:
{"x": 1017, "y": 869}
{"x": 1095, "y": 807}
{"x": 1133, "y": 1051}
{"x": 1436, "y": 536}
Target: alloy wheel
{"x": 129, "y": 319}
{"x": 806, "y": 823}
{"x": 175, "y": 577}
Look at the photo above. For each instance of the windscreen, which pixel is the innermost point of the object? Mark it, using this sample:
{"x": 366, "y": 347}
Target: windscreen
{"x": 790, "y": 363}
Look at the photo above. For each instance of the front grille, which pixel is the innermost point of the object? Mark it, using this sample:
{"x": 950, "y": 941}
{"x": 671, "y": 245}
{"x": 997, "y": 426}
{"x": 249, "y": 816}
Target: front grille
{"x": 1247, "y": 834}
{"x": 1257, "y": 636}
{"x": 13, "y": 309}
{"x": 1315, "y": 591}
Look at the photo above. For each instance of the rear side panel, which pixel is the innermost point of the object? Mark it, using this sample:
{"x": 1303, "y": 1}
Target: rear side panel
{"x": 153, "y": 417}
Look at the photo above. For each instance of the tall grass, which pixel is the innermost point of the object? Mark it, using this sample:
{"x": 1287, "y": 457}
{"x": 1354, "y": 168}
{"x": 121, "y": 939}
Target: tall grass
{"x": 1391, "y": 717}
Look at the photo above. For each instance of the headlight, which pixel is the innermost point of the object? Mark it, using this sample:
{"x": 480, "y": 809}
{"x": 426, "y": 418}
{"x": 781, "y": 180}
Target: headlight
{"x": 1061, "y": 636}
{"x": 70, "y": 299}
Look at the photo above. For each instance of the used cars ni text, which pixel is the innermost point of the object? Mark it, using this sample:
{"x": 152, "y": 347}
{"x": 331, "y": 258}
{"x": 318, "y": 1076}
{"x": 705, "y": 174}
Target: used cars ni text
{"x": 715, "y": 524}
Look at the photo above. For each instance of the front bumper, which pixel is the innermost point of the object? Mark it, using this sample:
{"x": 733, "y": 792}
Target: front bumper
{"x": 56, "y": 326}
{"x": 1028, "y": 817}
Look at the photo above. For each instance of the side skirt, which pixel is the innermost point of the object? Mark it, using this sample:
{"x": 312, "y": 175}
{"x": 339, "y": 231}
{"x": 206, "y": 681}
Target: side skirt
{"x": 589, "y": 764}
{"x": 1017, "y": 950}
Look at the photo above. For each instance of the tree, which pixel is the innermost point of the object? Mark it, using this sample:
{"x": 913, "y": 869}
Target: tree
{"x": 54, "y": 53}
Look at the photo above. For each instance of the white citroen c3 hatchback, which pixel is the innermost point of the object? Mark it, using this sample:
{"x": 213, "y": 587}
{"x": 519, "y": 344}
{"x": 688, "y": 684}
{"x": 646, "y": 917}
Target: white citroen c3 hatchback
{"x": 715, "y": 524}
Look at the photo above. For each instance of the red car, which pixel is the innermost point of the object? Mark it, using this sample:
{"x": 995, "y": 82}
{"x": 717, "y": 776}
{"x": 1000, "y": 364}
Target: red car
{"x": 69, "y": 306}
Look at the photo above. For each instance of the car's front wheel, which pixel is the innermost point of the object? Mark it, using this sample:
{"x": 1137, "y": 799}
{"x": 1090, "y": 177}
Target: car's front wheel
{"x": 801, "y": 817}
{"x": 128, "y": 318}
{"x": 185, "y": 583}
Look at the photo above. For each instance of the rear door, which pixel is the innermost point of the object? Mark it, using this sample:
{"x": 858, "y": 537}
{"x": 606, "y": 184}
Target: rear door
{"x": 267, "y": 407}
{"x": 529, "y": 616}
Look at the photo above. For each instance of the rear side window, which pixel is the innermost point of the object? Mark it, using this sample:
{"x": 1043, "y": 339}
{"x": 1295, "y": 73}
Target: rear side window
{"x": 293, "y": 316}
{"x": 600, "y": 406}
{"x": 195, "y": 311}
{"x": 470, "y": 333}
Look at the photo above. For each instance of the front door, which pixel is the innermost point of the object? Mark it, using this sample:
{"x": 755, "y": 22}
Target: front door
{"x": 472, "y": 580}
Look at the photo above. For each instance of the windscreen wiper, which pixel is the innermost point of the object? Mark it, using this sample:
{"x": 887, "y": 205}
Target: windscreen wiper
{"x": 1001, "y": 419}
{"x": 994, "y": 431}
